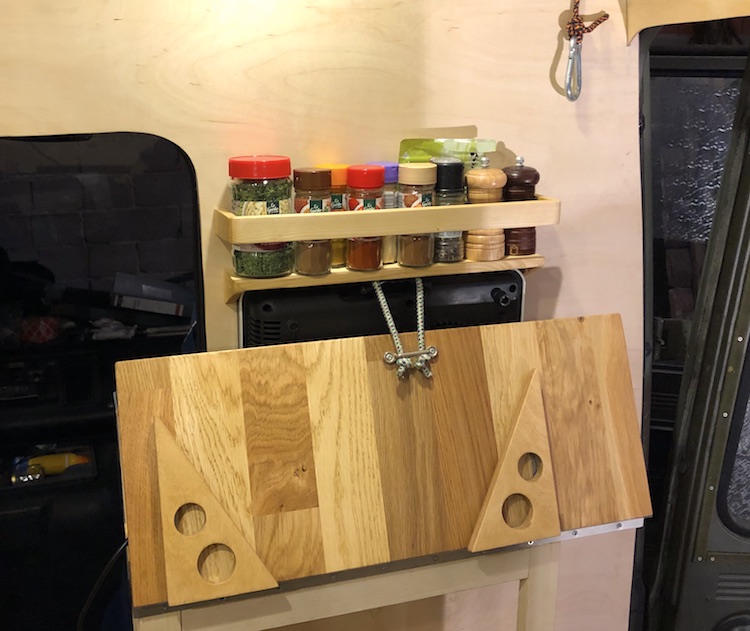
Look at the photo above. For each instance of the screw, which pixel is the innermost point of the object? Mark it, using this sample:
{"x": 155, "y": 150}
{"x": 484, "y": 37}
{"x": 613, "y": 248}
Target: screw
{"x": 712, "y": 559}
{"x": 711, "y": 488}
{"x": 619, "y": 525}
{"x": 575, "y": 533}
{"x": 725, "y": 414}
{"x": 740, "y": 338}
{"x": 700, "y": 558}
{"x": 530, "y": 543}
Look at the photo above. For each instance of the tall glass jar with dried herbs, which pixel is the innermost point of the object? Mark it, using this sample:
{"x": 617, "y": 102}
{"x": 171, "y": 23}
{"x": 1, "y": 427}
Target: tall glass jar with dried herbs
{"x": 261, "y": 185}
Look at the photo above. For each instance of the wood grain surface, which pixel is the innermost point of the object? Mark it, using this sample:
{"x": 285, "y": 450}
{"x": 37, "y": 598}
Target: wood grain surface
{"x": 333, "y": 463}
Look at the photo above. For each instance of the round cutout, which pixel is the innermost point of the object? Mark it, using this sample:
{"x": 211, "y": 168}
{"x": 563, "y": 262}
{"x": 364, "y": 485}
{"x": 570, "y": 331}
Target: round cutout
{"x": 216, "y": 563}
{"x": 530, "y": 466}
{"x": 517, "y": 511}
{"x": 189, "y": 519}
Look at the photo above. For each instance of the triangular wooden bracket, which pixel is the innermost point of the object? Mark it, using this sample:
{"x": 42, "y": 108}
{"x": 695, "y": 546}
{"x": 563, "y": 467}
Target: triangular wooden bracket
{"x": 521, "y": 503}
{"x": 217, "y": 560}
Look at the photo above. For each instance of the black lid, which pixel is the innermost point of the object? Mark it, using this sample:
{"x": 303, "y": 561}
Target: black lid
{"x": 450, "y": 174}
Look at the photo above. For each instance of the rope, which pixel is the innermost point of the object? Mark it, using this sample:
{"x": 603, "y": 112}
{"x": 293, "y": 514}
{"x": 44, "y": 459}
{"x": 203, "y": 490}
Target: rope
{"x": 405, "y": 363}
{"x": 576, "y": 28}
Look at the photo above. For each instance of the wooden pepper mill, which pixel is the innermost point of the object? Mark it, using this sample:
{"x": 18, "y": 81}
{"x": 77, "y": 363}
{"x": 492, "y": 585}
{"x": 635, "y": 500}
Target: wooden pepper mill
{"x": 521, "y": 184}
{"x": 484, "y": 186}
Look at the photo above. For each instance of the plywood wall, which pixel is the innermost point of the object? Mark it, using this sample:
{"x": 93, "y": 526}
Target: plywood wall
{"x": 345, "y": 80}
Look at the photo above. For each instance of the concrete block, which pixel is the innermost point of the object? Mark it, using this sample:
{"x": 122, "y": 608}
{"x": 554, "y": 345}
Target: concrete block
{"x": 53, "y": 230}
{"x": 164, "y": 189}
{"x": 107, "y": 190}
{"x": 172, "y": 256}
{"x": 15, "y": 195}
{"x": 107, "y": 260}
{"x": 56, "y": 193}
{"x": 65, "y": 262}
{"x": 107, "y": 226}
{"x": 15, "y": 232}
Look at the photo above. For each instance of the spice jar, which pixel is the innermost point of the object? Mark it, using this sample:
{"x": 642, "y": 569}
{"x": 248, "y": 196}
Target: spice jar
{"x": 416, "y": 187}
{"x": 312, "y": 258}
{"x": 449, "y": 190}
{"x": 338, "y": 204}
{"x": 312, "y": 194}
{"x": 521, "y": 185}
{"x": 261, "y": 185}
{"x": 389, "y": 201}
{"x": 485, "y": 186}
{"x": 263, "y": 260}
{"x": 364, "y": 192}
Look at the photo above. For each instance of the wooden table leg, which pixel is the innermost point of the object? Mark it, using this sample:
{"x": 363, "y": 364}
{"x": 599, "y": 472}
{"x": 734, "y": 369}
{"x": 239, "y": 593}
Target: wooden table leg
{"x": 538, "y": 592}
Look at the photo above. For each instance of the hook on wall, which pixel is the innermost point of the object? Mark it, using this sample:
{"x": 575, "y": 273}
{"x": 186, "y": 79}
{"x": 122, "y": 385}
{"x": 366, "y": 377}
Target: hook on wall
{"x": 576, "y": 30}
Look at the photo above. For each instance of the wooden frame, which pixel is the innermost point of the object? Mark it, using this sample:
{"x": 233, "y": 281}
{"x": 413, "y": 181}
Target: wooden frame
{"x": 534, "y": 568}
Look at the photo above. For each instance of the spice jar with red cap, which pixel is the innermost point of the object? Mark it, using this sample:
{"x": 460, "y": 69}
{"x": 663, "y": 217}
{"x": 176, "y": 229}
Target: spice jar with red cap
{"x": 261, "y": 185}
{"x": 521, "y": 186}
{"x": 364, "y": 192}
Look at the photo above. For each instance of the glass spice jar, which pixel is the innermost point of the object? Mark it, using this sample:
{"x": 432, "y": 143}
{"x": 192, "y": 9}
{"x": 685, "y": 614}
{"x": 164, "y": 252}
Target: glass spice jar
{"x": 415, "y": 250}
{"x": 416, "y": 188}
{"x": 364, "y": 192}
{"x": 389, "y": 201}
{"x": 261, "y": 185}
{"x": 263, "y": 260}
{"x": 449, "y": 190}
{"x": 312, "y": 194}
{"x": 312, "y": 258}
{"x": 338, "y": 204}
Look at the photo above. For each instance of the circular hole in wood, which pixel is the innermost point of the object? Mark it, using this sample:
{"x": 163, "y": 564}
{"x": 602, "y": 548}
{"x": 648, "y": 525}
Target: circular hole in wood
{"x": 216, "y": 563}
{"x": 517, "y": 511}
{"x": 189, "y": 519}
{"x": 530, "y": 466}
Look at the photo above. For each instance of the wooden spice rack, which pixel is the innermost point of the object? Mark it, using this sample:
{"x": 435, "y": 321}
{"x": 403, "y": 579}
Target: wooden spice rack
{"x": 543, "y": 211}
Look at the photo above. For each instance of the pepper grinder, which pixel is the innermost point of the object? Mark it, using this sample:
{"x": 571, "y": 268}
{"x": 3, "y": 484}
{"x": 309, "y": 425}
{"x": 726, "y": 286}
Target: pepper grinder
{"x": 485, "y": 186}
{"x": 520, "y": 186}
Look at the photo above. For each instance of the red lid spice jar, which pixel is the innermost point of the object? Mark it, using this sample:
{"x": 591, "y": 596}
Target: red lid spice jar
{"x": 364, "y": 192}
{"x": 521, "y": 186}
{"x": 261, "y": 185}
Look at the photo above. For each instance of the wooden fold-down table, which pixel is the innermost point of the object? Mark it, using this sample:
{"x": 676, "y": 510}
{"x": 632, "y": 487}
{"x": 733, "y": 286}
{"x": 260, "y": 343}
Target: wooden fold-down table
{"x": 306, "y": 480}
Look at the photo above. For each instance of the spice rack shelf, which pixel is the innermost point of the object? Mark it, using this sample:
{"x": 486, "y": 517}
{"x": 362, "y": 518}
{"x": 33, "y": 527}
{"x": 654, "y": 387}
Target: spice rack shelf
{"x": 543, "y": 211}
{"x": 236, "y": 285}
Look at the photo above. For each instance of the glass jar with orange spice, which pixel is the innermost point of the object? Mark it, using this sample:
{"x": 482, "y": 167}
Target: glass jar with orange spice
{"x": 364, "y": 192}
{"x": 338, "y": 204}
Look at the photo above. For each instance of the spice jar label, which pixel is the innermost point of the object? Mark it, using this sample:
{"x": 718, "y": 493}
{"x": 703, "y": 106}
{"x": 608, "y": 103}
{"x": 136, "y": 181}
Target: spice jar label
{"x": 309, "y": 205}
{"x": 365, "y": 203}
{"x": 414, "y": 200}
{"x": 269, "y": 207}
{"x": 338, "y": 201}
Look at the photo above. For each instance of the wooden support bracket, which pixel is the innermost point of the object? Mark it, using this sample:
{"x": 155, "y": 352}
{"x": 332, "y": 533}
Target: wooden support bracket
{"x": 205, "y": 554}
{"x": 521, "y": 503}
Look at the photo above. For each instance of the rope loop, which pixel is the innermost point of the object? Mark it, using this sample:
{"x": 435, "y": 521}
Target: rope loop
{"x": 576, "y": 28}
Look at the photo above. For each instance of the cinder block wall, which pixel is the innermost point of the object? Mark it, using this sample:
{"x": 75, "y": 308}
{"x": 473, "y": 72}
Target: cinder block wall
{"x": 87, "y": 207}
